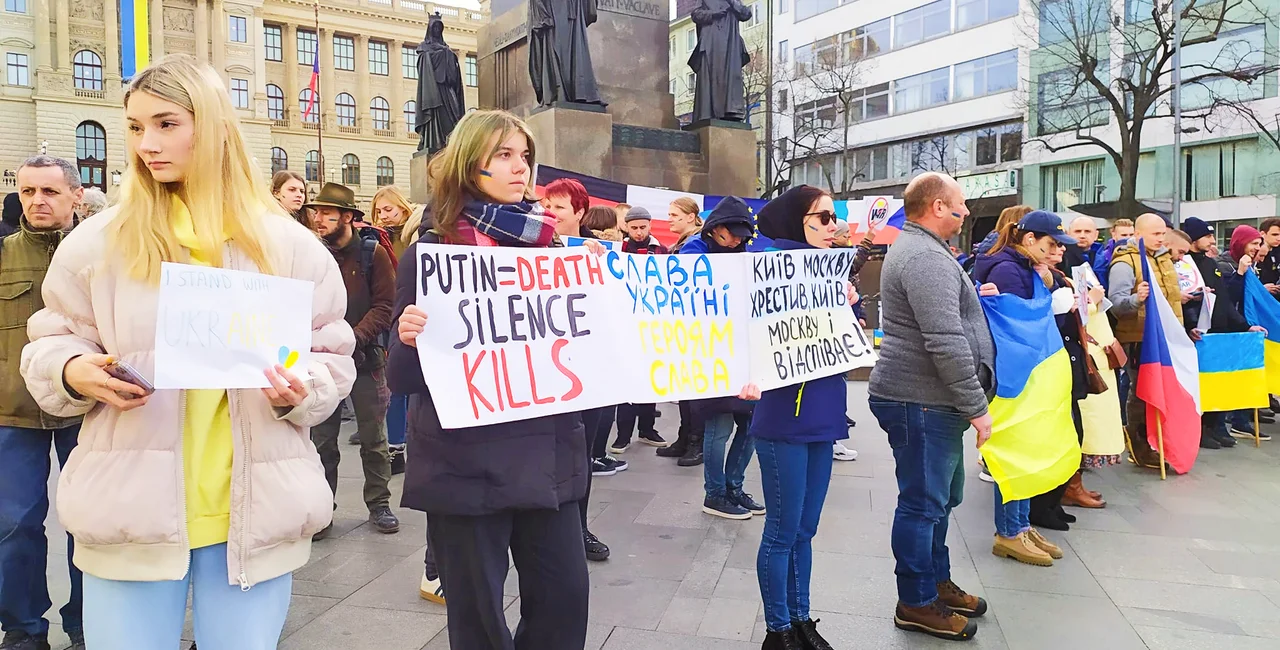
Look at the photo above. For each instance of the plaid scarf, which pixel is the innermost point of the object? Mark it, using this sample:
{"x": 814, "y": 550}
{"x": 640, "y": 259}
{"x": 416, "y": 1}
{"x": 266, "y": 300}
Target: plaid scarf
{"x": 505, "y": 224}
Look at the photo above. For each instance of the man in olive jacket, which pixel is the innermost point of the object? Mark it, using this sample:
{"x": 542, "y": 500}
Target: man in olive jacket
{"x": 49, "y": 189}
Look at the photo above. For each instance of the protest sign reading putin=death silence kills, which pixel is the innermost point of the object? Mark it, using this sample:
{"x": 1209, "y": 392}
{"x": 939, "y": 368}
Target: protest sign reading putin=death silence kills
{"x": 513, "y": 333}
{"x": 220, "y": 328}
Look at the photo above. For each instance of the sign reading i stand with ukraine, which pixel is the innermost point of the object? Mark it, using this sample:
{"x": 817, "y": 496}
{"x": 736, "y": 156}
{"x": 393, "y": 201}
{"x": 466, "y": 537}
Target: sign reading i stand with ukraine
{"x": 135, "y": 35}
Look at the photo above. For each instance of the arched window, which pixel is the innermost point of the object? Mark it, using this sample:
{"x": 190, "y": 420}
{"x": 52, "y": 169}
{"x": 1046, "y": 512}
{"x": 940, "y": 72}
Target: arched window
{"x": 91, "y": 154}
{"x": 88, "y": 70}
{"x": 305, "y": 98}
{"x": 275, "y": 102}
{"x": 380, "y": 112}
{"x": 312, "y": 168}
{"x": 386, "y": 172}
{"x": 410, "y": 114}
{"x": 279, "y": 159}
{"x": 346, "y": 105}
{"x": 350, "y": 170}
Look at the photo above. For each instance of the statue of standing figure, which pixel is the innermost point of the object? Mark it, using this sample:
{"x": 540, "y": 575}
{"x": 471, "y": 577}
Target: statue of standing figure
{"x": 718, "y": 60}
{"x": 559, "y": 58}
{"x": 440, "y": 102}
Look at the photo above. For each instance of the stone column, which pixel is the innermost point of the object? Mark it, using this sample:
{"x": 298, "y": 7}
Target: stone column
{"x": 111, "y": 20}
{"x": 64, "y": 35}
{"x": 219, "y": 45}
{"x": 155, "y": 16}
{"x": 202, "y": 31}
{"x": 44, "y": 51}
{"x": 259, "y": 65}
{"x": 328, "y": 88}
{"x": 362, "y": 83}
{"x": 289, "y": 43}
{"x": 397, "y": 87}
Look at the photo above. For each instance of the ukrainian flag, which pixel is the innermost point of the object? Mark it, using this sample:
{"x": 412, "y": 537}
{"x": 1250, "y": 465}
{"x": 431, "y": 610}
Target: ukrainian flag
{"x": 1033, "y": 446}
{"x": 1232, "y": 374}
{"x": 1261, "y": 308}
{"x": 135, "y": 32}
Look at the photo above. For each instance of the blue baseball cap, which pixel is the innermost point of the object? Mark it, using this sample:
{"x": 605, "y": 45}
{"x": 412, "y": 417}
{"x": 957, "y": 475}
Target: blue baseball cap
{"x": 1046, "y": 223}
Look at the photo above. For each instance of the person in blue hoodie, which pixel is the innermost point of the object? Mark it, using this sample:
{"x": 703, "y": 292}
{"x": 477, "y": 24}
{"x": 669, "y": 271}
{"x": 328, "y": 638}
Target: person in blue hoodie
{"x": 794, "y": 428}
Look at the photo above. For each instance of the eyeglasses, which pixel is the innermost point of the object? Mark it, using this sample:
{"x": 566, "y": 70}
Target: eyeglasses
{"x": 825, "y": 216}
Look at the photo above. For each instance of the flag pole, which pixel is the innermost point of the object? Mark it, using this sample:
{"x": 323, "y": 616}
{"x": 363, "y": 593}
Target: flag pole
{"x": 1257, "y": 430}
{"x": 1160, "y": 441}
{"x": 317, "y": 98}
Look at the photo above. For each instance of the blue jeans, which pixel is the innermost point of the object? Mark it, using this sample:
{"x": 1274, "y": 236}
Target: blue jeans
{"x": 1012, "y": 518}
{"x": 795, "y": 478}
{"x": 723, "y": 473}
{"x": 397, "y": 414}
{"x": 928, "y": 447}
{"x": 24, "y": 549}
{"x": 120, "y": 615}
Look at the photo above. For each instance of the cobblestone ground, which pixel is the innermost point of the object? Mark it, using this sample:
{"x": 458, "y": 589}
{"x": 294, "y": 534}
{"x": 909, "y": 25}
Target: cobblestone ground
{"x": 1193, "y": 562}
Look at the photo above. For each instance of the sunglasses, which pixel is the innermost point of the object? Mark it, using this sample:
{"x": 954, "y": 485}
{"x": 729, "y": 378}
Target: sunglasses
{"x": 825, "y": 216}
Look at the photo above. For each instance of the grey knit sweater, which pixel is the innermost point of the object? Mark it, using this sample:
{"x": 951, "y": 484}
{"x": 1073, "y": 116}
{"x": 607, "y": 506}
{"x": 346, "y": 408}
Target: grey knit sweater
{"x": 937, "y": 348}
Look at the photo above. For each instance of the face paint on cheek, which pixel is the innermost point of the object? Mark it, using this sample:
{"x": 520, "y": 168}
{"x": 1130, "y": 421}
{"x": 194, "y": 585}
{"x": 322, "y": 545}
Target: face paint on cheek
{"x": 811, "y": 227}
{"x": 485, "y": 172}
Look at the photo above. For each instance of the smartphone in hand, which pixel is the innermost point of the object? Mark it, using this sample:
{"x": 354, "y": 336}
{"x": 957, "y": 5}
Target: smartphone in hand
{"x": 127, "y": 373}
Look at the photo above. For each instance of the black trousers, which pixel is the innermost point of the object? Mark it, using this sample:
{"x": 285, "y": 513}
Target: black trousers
{"x": 590, "y": 424}
{"x": 599, "y": 446}
{"x": 554, "y": 591}
{"x": 628, "y": 414}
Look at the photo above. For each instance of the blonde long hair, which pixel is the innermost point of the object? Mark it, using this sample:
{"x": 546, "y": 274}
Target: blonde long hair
{"x": 451, "y": 175}
{"x": 223, "y": 190}
{"x": 391, "y": 194}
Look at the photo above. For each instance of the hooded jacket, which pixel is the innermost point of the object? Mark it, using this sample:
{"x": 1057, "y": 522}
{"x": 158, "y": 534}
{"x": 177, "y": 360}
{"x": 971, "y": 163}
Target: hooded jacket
{"x": 730, "y": 211}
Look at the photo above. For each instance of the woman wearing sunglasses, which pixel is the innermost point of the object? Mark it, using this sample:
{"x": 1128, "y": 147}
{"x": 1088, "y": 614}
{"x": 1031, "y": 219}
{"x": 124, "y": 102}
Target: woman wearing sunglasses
{"x": 794, "y": 428}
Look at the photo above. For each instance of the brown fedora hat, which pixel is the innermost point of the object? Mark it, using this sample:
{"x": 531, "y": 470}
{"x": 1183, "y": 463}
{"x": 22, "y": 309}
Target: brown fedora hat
{"x": 333, "y": 195}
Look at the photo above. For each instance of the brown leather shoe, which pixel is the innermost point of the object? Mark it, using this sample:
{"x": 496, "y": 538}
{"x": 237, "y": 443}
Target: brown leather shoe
{"x": 961, "y": 602}
{"x": 935, "y": 619}
{"x": 1077, "y": 496}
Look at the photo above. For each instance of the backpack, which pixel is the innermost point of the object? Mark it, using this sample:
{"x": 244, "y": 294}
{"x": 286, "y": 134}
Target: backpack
{"x": 371, "y": 237}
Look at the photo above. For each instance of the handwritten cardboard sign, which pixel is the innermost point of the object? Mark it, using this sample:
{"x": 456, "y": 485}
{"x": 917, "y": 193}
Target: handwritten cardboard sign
{"x": 219, "y": 328}
{"x": 582, "y": 241}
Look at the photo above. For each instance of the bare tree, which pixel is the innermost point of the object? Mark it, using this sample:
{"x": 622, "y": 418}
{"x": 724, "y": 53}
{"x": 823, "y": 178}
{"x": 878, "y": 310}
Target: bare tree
{"x": 1100, "y": 66}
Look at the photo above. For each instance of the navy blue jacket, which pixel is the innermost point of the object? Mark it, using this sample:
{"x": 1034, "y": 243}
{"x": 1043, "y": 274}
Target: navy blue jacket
{"x": 811, "y": 411}
{"x": 1009, "y": 270}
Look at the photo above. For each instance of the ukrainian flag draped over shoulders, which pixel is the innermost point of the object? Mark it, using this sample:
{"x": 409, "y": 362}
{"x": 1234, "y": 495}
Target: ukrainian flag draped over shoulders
{"x": 1033, "y": 446}
{"x": 1262, "y": 309}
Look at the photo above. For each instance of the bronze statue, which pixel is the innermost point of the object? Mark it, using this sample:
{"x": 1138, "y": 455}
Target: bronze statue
{"x": 717, "y": 61}
{"x": 440, "y": 102}
{"x": 559, "y": 58}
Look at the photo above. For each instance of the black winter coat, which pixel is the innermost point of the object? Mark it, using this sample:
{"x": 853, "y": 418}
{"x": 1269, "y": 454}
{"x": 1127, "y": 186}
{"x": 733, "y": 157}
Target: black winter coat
{"x": 526, "y": 465}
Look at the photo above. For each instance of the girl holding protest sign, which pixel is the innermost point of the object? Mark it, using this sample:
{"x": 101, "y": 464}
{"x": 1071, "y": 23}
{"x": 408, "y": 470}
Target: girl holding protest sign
{"x": 794, "y": 428}
{"x": 216, "y": 491}
{"x": 493, "y": 489}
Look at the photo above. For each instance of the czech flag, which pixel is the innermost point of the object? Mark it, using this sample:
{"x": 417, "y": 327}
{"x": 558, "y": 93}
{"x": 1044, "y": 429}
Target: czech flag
{"x": 1168, "y": 378}
{"x": 1261, "y": 308}
{"x": 1232, "y": 374}
{"x": 313, "y": 84}
{"x": 1033, "y": 447}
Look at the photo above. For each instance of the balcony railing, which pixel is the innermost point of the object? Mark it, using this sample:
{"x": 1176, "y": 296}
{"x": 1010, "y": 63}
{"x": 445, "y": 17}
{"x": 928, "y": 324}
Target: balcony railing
{"x": 90, "y": 94}
{"x": 383, "y": 133}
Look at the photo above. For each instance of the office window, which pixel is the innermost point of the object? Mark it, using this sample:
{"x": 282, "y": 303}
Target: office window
{"x": 1064, "y": 102}
{"x": 279, "y": 160}
{"x": 16, "y": 6}
{"x": 807, "y": 8}
{"x": 470, "y": 73}
{"x": 275, "y": 102}
{"x": 922, "y": 23}
{"x": 1242, "y": 49}
{"x": 869, "y": 103}
{"x": 344, "y": 53}
{"x": 311, "y": 169}
{"x": 346, "y": 108}
{"x": 784, "y": 97}
{"x": 1218, "y": 170}
{"x": 410, "y": 115}
{"x": 1010, "y": 142}
{"x": 273, "y": 40}
{"x": 378, "y": 58}
{"x": 386, "y": 171}
{"x": 988, "y": 75}
{"x": 689, "y": 82}
{"x": 350, "y": 170}
{"x": 673, "y": 46}
{"x": 755, "y": 14}
{"x": 240, "y": 93}
{"x": 309, "y": 105}
{"x": 783, "y": 6}
{"x": 380, "y": 113}
{"x": 921, "y": 91}
{"x": 690, "y": 39}
{"x": 784, "y": 52}
{"x": 1138, "y": 10}
{"x": 867, "y": 41}
{"x": 91, "y": 154}
{"x": 16, "y": 69}
{"x": 818, "y": 115}
{"x": 1063, "y": 186}
{"x": 1071, "y": 19}
{"x": 306, "y": 47}
{"x": 238, "y": 29}
{"x": 409, "y": 61}
{"x": 87, "y": 73}
{"x": 970, "y": 13}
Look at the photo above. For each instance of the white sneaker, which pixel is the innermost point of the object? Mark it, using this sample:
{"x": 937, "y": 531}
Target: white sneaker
{"x": 841, "y": 452}
{"x": 983, "y": 474}
{"x": 431, "y": 590}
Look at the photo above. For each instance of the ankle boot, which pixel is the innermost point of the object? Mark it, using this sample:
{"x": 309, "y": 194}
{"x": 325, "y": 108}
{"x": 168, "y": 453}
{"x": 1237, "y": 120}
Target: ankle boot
{"x": 676, "y": 450}
{"x": 1076, "y": 495}
{"x": 693, "y": 453}
{"x": 807, "y": 631}
{"x": 788, "y": 639}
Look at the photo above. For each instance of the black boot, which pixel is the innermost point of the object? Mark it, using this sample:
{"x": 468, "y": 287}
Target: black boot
{"x": 693, "y": 452}
{"x": 786, "y": 640}
{"x": 809, "y": 637}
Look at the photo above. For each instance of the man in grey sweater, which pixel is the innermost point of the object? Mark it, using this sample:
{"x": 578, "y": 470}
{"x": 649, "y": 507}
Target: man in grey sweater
{"x": 929, "y": 385}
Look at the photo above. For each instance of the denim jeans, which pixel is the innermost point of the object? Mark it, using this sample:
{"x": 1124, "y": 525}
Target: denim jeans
{"x": 125, "y": 615}
{"x": 928, "y": 447}
{"x": 1241, "y": 418}
{"x": 795, "y": 478}
{"x": 1012, "y": 518}
{"x": 24, "y": 548}
{"x": 397, "y": 414}
{"x": 723, "y": 472}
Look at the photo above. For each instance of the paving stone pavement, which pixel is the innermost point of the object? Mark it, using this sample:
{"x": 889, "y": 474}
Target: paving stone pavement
{"x": 1193, "y": 562}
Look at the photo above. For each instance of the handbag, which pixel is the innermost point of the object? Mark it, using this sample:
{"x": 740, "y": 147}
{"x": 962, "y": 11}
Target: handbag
{"x": 1116, "y": 358}
{"x": 1095, "y": 383}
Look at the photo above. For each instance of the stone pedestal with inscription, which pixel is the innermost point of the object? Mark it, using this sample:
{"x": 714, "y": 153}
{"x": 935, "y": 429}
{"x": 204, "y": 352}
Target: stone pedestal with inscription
{"x": 574, "y": 136}
{"x": 418, "y": 177}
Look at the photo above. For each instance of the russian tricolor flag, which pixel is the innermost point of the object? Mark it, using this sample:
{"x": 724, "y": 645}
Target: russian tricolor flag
{"x": 1168, "y": 378}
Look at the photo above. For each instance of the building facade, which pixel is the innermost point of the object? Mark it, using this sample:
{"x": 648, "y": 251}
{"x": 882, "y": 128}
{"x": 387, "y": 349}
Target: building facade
{"x": 63, "y": 91}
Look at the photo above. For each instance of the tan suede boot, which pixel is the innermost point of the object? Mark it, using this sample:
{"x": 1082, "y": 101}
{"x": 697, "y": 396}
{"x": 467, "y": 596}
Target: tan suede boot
{"x": 1022, "y": 549}
{"x": 1044, "y": 544}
